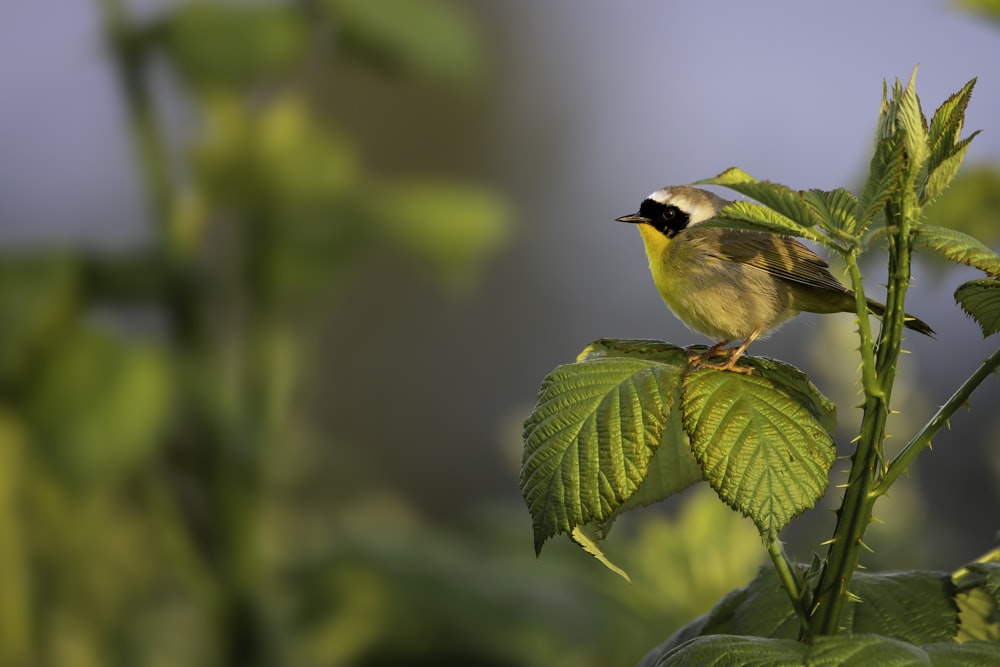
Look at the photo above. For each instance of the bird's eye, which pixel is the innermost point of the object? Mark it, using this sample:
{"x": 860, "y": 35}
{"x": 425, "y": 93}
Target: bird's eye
{"x": 670, "y": 212}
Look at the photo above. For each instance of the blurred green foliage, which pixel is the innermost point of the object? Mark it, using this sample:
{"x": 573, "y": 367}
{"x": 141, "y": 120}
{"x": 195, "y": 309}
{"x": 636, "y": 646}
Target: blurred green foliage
{"x": 164, "y": 498}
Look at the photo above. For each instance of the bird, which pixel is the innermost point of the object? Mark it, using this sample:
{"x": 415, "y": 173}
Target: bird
{"x": 733, "y": 285}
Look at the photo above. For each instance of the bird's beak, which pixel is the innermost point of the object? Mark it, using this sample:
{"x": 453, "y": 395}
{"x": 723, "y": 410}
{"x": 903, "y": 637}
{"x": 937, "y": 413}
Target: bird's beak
{"x": 634, "y": 218}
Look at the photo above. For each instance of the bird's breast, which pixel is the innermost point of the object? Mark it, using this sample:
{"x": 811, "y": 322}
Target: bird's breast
{"x": 722, "y": 299}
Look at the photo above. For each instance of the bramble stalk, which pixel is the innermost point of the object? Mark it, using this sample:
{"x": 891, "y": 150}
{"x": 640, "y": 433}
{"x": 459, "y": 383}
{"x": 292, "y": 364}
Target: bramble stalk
{"x": 878, "y": 375}
{"x": 923, "y": 438}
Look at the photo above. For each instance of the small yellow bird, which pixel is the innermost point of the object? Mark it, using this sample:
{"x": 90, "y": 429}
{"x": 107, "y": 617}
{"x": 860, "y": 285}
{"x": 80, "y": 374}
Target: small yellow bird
{"x": 730, "y": 284}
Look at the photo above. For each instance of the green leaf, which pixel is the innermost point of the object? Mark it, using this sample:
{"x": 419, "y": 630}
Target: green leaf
{"x": 977, "y": 616}
{"x": 764, "y": 453}
{"x": 946, "y": 126}
{"x": 779, "y": 198}
{"x": 761, "y": 609}
{"x": 978, "y": 601}
{"x": 431, "y": 38}
{"x": 450, "y": 228}
{"x": 958, "y": 247}
{"x": 941, "y": 175}
{"x": 838, "y": 650}
{"x": 224, "y": 45}
{"x": 589, "y": 441}
{"x": 992, "y": 572}
{"x": 916, "y": 607}
{"x": 884, "y": 175}
{"x": 980, "y": 299}
{"x": 989, "y": 9}
{"x": 972, "y": 204}
{"x": 836, "y": 209}
{"x": 671, "y": 470}
{"x": 965, "y": 654}
{"x": 733, "y": 651}
{"x": 37, "y": 302}
{"x": 639, "y": 348}
{"x": 949, "y": 118}
{"x": 746, "y": 215}
{"x": 730, "y": 177}
{"x": 862, "y": 649}
{"x": 93, "y": 435}
{"x": 798, "y": 386}
{"x": 673, "y": 467}
{"x": 589, "y": 537}
{"x": 910, "y": 118}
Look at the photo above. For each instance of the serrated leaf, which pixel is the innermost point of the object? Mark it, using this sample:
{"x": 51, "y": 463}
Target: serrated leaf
{"x": 965, "y": 654}
{"x": 977, "y": 616}
{"x": 750, "y": 216}
{"x": 946, "y": 125}
{"x": 671, "y": 470}
{"x": 971, "y": 205}
{"x": 979, "y": 600}
{"x": 798, "y": 387}
{"x": 673, "y": 467}
{"x": 980, "y": 299}
{"x": 861, "y": 649}
{"x": 915, "y": 606}
{"x": 992, "y": 586}
{"x": 943, "y": 173}
{"x": 884, "y": 175}
{"x": 779, "y": 198}
{"x": 828, "y": 651}
{"x": 590, "y": 438}
{"x": 731, "y": 176}
{"x": 589, "y": 538}
{"x": 958, "y": 247}
{"x": 910, "y": 118}
{"x": 835, "y": 209}
{"x": 650, "y": 350}
{"x": 764, "y": 453}
{"x": 733, "y": 650}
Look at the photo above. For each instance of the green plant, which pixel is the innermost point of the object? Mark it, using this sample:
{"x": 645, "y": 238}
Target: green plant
{"x": 154, "y": 446}
{"x": 629, "y": 424}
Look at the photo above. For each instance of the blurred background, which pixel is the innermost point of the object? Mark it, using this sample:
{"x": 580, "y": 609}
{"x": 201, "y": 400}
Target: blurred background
{"x": 279, "y": 282}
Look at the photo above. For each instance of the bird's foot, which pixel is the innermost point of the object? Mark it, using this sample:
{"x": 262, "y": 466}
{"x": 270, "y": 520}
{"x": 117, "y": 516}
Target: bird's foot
{"x": 732, "y": 355}
{"x": 729, "y": 365}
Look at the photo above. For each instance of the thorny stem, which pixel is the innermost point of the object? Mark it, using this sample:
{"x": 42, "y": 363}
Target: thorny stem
{"x": 923, "y": 438}
{"x": 878, "y": 375}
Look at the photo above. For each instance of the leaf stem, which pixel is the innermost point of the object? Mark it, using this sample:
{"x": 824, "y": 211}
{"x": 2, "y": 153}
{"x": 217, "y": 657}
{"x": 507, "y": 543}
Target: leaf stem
{"x": 790, "y": 579}
{"x": 941, "y": 418}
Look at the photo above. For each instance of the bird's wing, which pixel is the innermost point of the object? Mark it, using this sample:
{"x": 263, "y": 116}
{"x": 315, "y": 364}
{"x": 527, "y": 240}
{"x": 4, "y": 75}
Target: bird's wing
{"x": 780, "y": 256}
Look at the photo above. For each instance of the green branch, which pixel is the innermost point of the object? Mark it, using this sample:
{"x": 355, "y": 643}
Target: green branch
{"x": 878, "y": 376}
{"x": 923, "y": 438}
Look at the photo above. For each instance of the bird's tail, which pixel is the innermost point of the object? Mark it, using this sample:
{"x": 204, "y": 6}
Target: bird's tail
{"x": 909, "y": 321}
